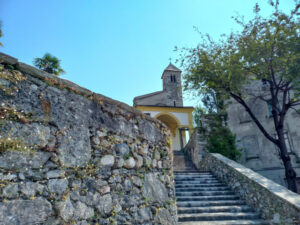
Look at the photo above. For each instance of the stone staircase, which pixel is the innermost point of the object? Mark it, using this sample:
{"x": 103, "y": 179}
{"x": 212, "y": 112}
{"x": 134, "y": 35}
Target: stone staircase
{"x": 203, "y": 200}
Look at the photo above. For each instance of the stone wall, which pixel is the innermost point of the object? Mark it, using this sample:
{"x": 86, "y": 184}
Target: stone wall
{"x": 195, "y": 148}
{"x": 70, "y": 156}
{"x": 275, "y": 203}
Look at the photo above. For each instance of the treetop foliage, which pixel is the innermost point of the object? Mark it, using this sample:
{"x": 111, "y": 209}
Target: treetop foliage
{"x": 267, "y": 49}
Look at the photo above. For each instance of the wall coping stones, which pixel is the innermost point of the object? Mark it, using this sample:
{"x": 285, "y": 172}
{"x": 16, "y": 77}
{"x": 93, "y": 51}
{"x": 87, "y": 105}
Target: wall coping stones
{"x": 42, "y": 75}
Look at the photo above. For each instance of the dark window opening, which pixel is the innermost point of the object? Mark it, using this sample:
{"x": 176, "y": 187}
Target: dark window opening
{"x": 147, "y": 114}
{"x": 174, "y": 103}
{"x": 269, "y": 103}
{"x": 173, "y": 78}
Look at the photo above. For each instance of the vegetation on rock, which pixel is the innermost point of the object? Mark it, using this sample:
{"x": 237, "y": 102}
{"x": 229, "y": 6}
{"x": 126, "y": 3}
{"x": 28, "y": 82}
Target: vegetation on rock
{"x": 49, "y": 64}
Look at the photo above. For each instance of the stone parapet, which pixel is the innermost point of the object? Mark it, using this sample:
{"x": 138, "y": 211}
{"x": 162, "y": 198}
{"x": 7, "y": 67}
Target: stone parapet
{"x": 71, "y": 156}
{"x": 275, "y": 202}
{"x": 195, "y": 148}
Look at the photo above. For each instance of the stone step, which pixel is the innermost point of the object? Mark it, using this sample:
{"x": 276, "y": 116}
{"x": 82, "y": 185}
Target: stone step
{"x": 210, "y": 203}
{"x": 203, "y": 193}
{"x": 226, "y": 222}
{"x": 191, "y": 171}
{"x": 202, "y": 180}
{"x": 184, "y": 185}
{"x": 210, "y": 209}
{"x": 206, "y": 181}
{"x": 218, "y": 216}
{"x": 194, "y": 175}
{"x": 207, "y": 198}
{"x": 200, "y": 189}
{"x": 203, "y": 199}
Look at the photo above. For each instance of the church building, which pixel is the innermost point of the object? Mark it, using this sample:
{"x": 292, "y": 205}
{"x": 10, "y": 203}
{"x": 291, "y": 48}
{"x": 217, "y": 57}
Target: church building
{"x": 167, "y": 106}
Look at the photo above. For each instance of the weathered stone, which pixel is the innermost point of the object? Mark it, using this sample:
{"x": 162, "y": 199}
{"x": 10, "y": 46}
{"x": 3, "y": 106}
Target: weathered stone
{"x": 104, "y": 190}
{"x": 159, "y": 164}
{"x": 65, "y": 209}
{"x": 104, "y": 221}
{"x": 82, "y": 211}
{"x": 23, "y": 161}
{"x": 21, "y": 176}
{"x": 137, "y": 181}
{"x": 120, "y": 163}
{"x": 143, "y": 151}
{"x": 32, "y": 134}
{"x": 107, "y": 161}
{"x": 52, "y": 221}
{"x": 154, "y": 189}
{"x": 51, "y": 165}
{"x": 148, "y": 129}
{"x": 24, "y": 212}
{"x": 11, "y": 191}
{"x": 127, "y": 185}
{"x": 144, "y": 215}
{"x": 129, "y": 163}
{"x": 30, "y": 188}
{"x": 74, "y": 148}
{"x": 148, "y": 161}
{"x": 54, "y": 174}
{"x": 164, "y": 217}
{"x": 75, "y": 195}
{"x": 57, "y": 185}
{"x": 8, "y": 177}
{"x": 101, "y": 133}
{"x": 154, "y": 162}
{"x": 105, "y": 204}
{"x": 34, "y": 175}
{"x": 139, "y": 161}
{"x": 122, "y": 149}
{"x": 84, "y": 222}
{"x": 157, "y": 155}
{"x": 96, "y": 141}
{"x": 76, "y": 183}
{"x": 91, "y": 199}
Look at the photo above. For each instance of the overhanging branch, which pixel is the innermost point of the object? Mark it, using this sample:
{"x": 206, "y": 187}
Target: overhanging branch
{"x": 262, "y": 129}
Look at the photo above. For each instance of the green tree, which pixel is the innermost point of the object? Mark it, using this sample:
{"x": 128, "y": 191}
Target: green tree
{"x": 49, "y": 64}
{"x": 266, "y": 52}
{"x": 1, "y": 34}
{"x": 211, "y": 119}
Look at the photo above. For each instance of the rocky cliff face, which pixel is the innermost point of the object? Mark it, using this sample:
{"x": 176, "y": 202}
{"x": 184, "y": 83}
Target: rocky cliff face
{"x": 70, "y": 156}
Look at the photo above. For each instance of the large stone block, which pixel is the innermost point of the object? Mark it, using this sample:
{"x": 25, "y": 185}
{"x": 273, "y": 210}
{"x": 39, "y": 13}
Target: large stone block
{"x": 24, "y": 212}
{"x": 154, "y": 189}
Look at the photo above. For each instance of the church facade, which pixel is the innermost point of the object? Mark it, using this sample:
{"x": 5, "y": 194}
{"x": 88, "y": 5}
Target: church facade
{"x": 167, "y": 106}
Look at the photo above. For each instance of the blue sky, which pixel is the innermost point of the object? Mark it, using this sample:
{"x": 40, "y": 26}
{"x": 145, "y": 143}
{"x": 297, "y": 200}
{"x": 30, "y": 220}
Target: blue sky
{"x": 117, "y": 48}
